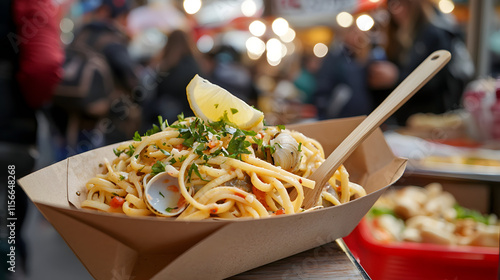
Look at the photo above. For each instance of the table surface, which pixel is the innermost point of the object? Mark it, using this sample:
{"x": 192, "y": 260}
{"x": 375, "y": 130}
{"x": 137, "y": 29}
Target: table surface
{"x": 330, "y": 261}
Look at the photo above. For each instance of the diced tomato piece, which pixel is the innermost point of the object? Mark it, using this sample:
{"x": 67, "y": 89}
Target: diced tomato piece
{"x": 179, "y": 146}
{"x": 116, "y": 201}
{"x": 280, "y": 212}
{"x": 260, "y": 195}
{"x": 212, "y": 144}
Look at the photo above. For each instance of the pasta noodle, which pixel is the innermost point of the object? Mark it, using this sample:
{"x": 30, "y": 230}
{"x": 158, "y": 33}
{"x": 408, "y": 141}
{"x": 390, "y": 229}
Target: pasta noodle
{"x": 218, "y": 171}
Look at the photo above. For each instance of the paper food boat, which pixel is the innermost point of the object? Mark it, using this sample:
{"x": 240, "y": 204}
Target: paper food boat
{"x": 115, "y": 246}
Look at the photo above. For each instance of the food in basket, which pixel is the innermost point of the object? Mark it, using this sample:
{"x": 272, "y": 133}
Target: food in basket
{"x": 462, "y": 160}
{"x": 214, "y": 165}
{"x": 430, "y": 215}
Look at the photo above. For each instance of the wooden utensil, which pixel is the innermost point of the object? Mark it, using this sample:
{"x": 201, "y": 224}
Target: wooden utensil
{"x": 408, "y": 87}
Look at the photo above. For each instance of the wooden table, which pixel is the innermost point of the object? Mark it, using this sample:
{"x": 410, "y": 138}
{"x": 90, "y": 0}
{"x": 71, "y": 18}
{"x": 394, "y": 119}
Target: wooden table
{"x": 330, "y": 261}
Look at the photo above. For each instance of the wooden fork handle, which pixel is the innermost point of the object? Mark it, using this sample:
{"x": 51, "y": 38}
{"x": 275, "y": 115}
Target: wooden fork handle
{"x": 408, "y": 87}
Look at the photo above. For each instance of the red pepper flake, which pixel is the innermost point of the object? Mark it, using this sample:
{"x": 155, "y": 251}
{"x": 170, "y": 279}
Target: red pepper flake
{"x": 214, "y": 210}
{"x": 300, "y": 180}
{"x": 240, "y": 195}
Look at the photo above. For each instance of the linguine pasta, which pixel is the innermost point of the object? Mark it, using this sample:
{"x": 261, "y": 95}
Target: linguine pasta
{"x": 221, "y": 172}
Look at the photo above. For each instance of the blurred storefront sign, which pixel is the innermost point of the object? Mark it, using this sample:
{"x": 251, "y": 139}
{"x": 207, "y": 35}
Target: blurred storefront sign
{"x": 304, "y": 13}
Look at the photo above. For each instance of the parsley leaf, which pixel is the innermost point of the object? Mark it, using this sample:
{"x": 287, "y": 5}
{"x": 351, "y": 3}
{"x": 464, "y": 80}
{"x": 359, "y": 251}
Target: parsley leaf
{"x": 238, "y": 145}
{"x": 131, "y": 150}
{"x": 180, "y": 117}
{"x": 117, "y": 152}
{"x": 194, "y": 167}
{"x": 137, "y": 136}
{"x": 158, "y": 167}
{"x": 234, "y": 111}
{"x": 169, "y": 209}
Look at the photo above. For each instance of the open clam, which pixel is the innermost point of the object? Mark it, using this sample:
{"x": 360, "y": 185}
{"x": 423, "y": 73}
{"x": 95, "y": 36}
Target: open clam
{"x": 163, "y": 196}
{"x": 286, "y": 152}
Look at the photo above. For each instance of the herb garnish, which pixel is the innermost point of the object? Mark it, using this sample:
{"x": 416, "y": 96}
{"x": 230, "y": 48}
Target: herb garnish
{"x": 137, "y": 136}
{"x": 117, "y": 152}
{"x": 158, "y": 167}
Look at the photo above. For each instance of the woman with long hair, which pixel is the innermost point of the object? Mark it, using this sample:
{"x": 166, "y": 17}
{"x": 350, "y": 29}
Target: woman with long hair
{"x": 175, "y": 66}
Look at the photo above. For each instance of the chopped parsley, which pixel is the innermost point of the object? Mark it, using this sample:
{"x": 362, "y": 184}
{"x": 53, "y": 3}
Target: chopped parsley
{"x": 122, "y": 177}
{"x": 465, "y": 213}
{"x": 131, "y": 150}
{"x": 197, "y": 135}
{"x": 162, "y": 195}
{"x": 194, "y": 167}
{"x": 281, "y": 127}
{"x": 158, "y": 167}
{"x": 117, "y": 152}
{"x": 169, "y": 209}
{"x": 137, "y": 136}
{"x": 234, "y": 111}
{"x": 183, "y": 158}
{"x": 300, "y": 147}
{"x": 164, "y": 152}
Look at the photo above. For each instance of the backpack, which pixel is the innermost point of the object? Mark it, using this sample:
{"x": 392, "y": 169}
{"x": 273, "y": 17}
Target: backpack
{"x": 83, "y": 96}
{"x": 87, "y": 81}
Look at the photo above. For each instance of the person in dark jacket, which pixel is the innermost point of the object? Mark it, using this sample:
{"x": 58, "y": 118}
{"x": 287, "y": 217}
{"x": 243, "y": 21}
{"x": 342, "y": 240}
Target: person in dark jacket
{"x": 30, "y": 67}
{"x": 118, "y": 117}
{"x": 341, "y": 89}
{"x": 412, "y": 37}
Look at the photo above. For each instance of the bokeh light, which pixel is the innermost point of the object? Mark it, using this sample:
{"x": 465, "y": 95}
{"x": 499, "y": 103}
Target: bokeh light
{"x": 344, "y": 19}
{"x": 365, "y": 22}
{"x": 249, "y": 8}
{"x": 192, "y": 6}
{"x": 66, "y": 25}
{"x": 280, "y": 26}
{"x": 257, "y": 28}
{"x": 446, "y": 6}
{"x": 255, "y": 45}
{"x": 320, "y": 50}
{"x": 288, "y": 36}
{"x": 205, "y": 43}
{"x": 274, "y": 51}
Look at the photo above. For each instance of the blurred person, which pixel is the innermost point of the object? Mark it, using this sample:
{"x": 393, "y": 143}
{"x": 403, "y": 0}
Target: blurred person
{"x": 174, "y": 68}
{"x": 341, "y": 89}
{"x": 228, "y": 72}
{"x": 114, "y": 114}
{"x": 30, "y": 68}
{"x": 413, "y": 34}
{"x": 304, "y": 77}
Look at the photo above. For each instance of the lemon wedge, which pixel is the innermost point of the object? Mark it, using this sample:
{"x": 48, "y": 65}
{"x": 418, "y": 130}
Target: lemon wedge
{"x": 210, "y": 102}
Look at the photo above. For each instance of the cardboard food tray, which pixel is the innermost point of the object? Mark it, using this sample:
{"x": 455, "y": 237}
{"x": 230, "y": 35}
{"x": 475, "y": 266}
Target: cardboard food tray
{"x": 115, "y": 246}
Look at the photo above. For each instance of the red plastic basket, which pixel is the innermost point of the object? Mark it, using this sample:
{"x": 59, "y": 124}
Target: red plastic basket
{"x": 407, "y": 260}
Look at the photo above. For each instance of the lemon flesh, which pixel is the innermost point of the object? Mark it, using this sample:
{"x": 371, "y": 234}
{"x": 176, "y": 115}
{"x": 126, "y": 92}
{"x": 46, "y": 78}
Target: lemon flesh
{"x": 210, "y": 102}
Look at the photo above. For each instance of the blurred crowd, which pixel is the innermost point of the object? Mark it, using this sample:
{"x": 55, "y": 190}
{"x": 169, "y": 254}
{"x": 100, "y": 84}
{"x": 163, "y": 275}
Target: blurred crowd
{"x": 93, "y": 92}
